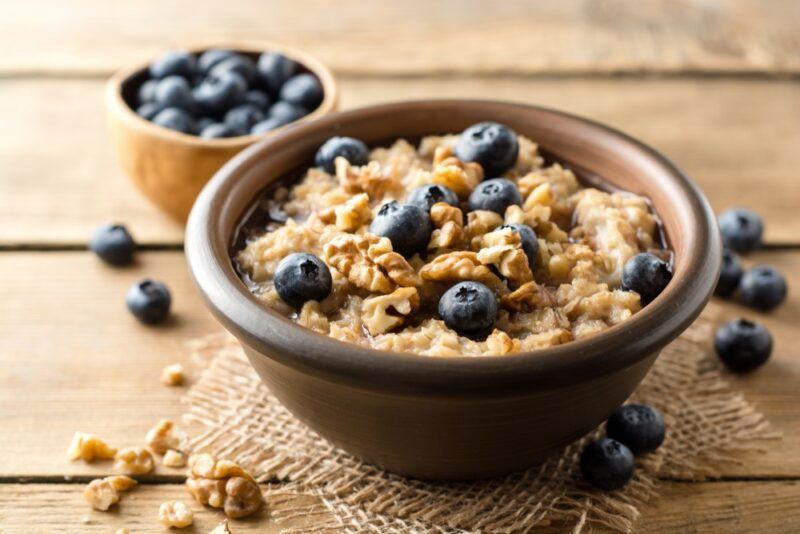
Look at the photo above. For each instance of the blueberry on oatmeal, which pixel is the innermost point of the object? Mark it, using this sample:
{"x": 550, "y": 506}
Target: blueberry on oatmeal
{"x": 469, "y": 308}
{"x": 741, "y": 229}
{"x": 528, "y": 239}
{"x": 302, "y": 277}
{"x": 729, "y": 275}
{"x": 113, "y": 244}
{"x": 647, "y": 275}
{"x": 495, "y": 195}
{"x": 149, "y": 301}
{"x": 353, "y": 150}
{"x": 491, "y": 144}
{"x": 638, "y": 426}
{"x": 743, "y": 345}
{"x": 607, "y": 464}
{"x": 762, "y": 288}
{"x": 174, "y": 63}
{"x": 424, "y": 197}
{"x": 406, "y": 225}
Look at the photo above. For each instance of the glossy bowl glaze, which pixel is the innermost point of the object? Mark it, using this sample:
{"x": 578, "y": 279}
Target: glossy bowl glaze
{"x": 465, "y": 417}
{"x": 170, "y": 168}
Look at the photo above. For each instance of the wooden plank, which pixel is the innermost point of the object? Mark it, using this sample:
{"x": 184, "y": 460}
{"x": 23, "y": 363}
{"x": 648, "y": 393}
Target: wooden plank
{"x": 73, "y": 359}
{"x": 735, "y": 137}
{"x": 416, "y": 36}
{"x": 743, "y": 507}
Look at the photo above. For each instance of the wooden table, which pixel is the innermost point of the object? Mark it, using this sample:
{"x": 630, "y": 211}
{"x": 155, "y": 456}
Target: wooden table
{"x": 711, "y": 83}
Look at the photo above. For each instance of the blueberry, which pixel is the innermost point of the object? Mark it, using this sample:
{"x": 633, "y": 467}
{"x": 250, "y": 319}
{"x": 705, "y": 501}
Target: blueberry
{"x": 638, "y": 426}
{"x": 149, "y": 301}
{"x": 202, "y": 123}
{"x": 265, "y": 126}
{"x": 647, "y": 275}
{"x": 174, "y": 63}
{"x": 742, "y": 345}
{"x": 762, "y": 288}
{"x": 528, "y": 240}
{"x": 175, "y": 92}
{"x": 242, "y": 65}
{"x": 607, "y": 464}
{"x": 302, "y": 277}
{"x": 286, "y": 112}
{"x": 494, "y": 195}
{"x": 219, "y": 93}
{"x": 113, "y": 244}
{"x": 730, "y": 274}
{"x": 218, "y": 130}
{"x": 243, "y": 117}
{"x": 258, "y": 98}
{"x": 274, "y": 69}
{"x": 302, "y": 90}
{"x": 407, "y": 227}
{"x": 148, "y": 110}
{"x": 426, "y": 196}
{"x": 741, "y": 229}
{"x": 175, "y": 119}
{"x": 353, "y": 150}
{"x": 492, "y": 145}
{"x": 469, "y": 308}
{"x": 212, "y": 57}
{"x": 147, "y": 91}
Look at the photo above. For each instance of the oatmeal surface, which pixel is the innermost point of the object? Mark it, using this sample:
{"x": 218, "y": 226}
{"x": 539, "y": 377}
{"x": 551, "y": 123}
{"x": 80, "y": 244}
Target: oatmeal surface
{"x": 382, "y": 300}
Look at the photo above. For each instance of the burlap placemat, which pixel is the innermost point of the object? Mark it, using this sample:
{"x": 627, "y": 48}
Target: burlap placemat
{"x": 237, "y": 417}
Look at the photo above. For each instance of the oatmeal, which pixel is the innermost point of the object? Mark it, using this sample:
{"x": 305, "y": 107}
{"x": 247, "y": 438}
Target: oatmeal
{"x": 465, "y": 245}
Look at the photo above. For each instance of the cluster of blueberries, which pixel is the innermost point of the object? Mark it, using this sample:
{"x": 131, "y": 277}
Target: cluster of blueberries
{"x": 223, "y": 93}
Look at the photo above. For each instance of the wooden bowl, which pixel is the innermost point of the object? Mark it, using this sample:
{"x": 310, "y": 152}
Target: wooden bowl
{"x": 170, "y": 168}
{"x": 461, "y": 417}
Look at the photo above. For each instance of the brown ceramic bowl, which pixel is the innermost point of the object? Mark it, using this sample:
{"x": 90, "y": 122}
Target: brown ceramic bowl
{"x": 466, "y": 417}
{"x": 170, "y": 168}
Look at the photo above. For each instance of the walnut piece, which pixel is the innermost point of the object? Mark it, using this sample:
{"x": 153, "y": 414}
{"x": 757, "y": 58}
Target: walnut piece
{"x": 502, "y": 248}
{"x": 367, "y": 179}
{"x": 134, "y": 461}
{"x": 500, "y": 343}
{"x": 348, "y": 254}
{"x": 174, "y": 458}
{"x": 461, "y": 265}
{"x": 393, "y": 264}
{"x": 480, "y": 222}
{"x": 122, "y": 531}
{"x": 102, "y": 493}
{"x": 175, "y": 514}
{"x": 223, "y": 484}
{"x": 88, "y": 448}
{"x": 450, "y": 172}
{"x": 448, "y": 222}
{"x": 384, "y": 312}
{"x": 162, "y": 437}
{"x": 528, "y": 296}
{"x": 353, "y": 214}
{"x": 222, "y": 528}
{"x": 172, "y": 375}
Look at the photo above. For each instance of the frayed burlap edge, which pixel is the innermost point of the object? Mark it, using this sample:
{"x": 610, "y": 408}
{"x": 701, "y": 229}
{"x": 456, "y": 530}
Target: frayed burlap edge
{"x": 238, "y": 418}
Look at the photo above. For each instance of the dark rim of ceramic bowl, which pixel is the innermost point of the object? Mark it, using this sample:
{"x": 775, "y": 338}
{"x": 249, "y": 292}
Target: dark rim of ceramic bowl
{"x": 275, "y": 336}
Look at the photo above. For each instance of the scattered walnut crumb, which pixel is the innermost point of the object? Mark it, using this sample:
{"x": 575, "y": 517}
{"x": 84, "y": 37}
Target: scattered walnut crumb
{"x": 172, "y": 375}
{"x": 102, "y": 493}
{"x": 175, "y": 514}
{"x": 173, "y": 458}
{"x": 88, "y": 448}
{"x": 134, "y": 461}
{"x": 223, "y": 484}
{"x": 122, "y": 531}
{"x": 162, "y": 437}
{"x": 222, "y": 528}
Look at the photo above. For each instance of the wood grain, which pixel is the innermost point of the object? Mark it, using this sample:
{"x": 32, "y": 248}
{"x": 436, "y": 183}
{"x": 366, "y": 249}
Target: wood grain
{"x": 417, "y": 36}
{"x": 736, "y": 138}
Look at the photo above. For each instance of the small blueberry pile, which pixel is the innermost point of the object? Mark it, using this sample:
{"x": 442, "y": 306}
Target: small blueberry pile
{"x": 633, "y": 429}
{"x": 223, "y": 93}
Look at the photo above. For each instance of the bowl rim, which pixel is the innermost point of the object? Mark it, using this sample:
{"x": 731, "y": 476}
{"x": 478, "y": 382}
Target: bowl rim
{"x": 115, "y": 101}
{"x": 271, "y": 335}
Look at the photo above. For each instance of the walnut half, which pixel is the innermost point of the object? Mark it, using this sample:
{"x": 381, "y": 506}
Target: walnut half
{"x": 134, "y": 461}
{"x": 102, "y": 493}
{"x": 175, "y": 514}
{"x": 162, "y": 437}
{"x": 384, "y": 312}
{"x": 88, "y": 447}
{"x": 223, "y": 484}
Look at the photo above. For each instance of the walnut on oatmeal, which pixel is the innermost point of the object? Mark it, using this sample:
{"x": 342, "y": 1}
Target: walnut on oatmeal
{"x": 134, "y": 461}
{"x": 175, "y": 514}
{"x": 172, "y": 375}
{"x": 102, "y": 493}
{"x": 162, "y": 437}
{"x": 89, "y": 448}
{"x": 223, "y": 484}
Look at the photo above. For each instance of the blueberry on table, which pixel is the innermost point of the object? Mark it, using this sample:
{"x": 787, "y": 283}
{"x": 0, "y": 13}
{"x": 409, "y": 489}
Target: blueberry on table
{"x": 149, "y": 301}
{"x": 148, "y": 110}
{"x": 175, "y": 119}
{"x": 302, "y": 90}
{"x": 147, "y": 91}
{"x": 762, "y": 288}
{"x": 302, "y": 277}
{"x": 212, "y": 57}
{"x": 258, "y": 98}
{"x": 647, "y": 275}
{"x": 426, "y": 196}
{"x": 241, "y": 118}
{"x": 406, "y": 225}
{"x": 353, "y": 150}
{"x": 274, "y": 69}
{"x": 729, "y": 275}
{"x": 607, "y": 464}
{"x": 492, "y": 145}
{"x": 494, "y": 195}
{"x": 175, "y": 92}
{"x": 265, "y": 126}
{"x": 113, "y": 244}
{"x": 638, "y": 426}
{"x": 219, "y": 93}
{"x": 239, "y": 64}
{"x": 742, "y": 345}
{"x": 286, "y": 112}
{"x": 469, "y": 308}
{"x": 174, "y": 63}
{"x": 741, "y": 229}
{"x": 218, "y": 130}
{"x": 528, "y": 240}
